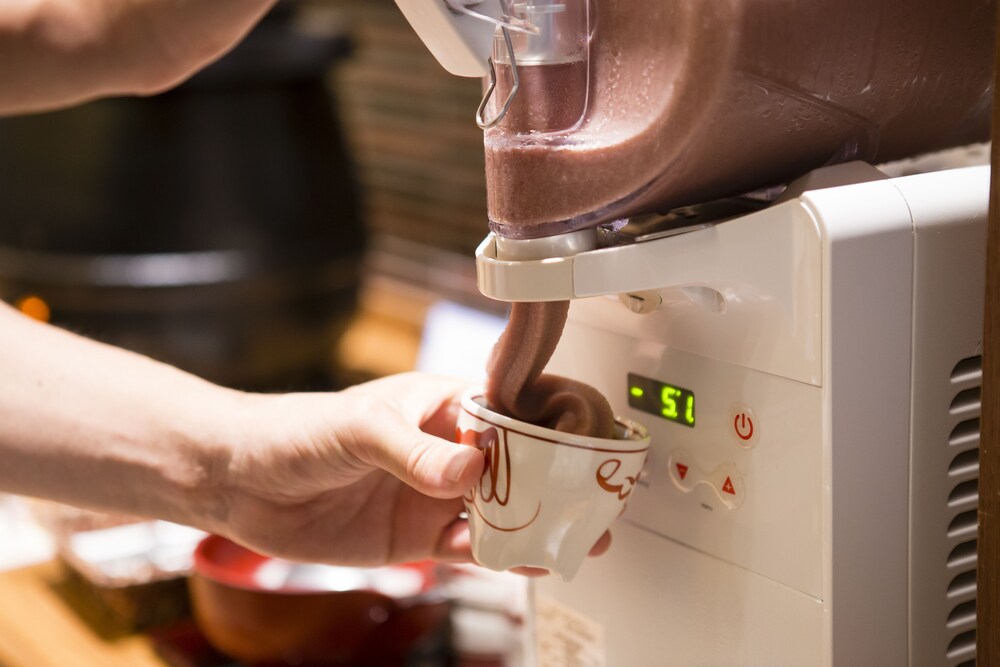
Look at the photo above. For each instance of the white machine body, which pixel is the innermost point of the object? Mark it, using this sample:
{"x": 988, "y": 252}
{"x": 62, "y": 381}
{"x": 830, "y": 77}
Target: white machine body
{"x": 817, "y": 504}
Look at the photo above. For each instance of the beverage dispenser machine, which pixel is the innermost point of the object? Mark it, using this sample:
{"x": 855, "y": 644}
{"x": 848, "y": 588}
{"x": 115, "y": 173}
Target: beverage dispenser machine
{"x": 810, "y": 375}
{"x": 806, "y": 356}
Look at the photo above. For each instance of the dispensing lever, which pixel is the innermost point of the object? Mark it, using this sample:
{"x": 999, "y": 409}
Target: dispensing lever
{"x": 762, "y": 257}
{"x": 758, "y": 258}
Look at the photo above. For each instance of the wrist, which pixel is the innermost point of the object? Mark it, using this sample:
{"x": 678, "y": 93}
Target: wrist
{"x": 207, "y": 442}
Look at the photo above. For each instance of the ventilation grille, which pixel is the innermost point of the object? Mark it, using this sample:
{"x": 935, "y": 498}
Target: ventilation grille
{"x": 963, "y": 505}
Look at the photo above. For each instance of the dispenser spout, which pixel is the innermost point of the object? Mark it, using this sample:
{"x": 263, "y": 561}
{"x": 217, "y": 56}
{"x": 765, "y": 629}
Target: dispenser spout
{"x": 734, "y": 257}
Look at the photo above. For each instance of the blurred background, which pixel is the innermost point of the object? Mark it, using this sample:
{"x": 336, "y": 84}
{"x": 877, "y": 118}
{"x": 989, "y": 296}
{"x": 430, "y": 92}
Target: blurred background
{"x": 246, "y": 225}
{"x": 301, "y": 215}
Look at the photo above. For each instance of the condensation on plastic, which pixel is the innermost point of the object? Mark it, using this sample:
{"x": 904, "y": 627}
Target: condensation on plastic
{"x": 553, "y": 66}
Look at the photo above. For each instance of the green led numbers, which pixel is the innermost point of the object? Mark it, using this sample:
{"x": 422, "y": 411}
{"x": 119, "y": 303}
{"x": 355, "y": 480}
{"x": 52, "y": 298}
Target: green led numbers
{"x": 664, "y": 400}
{"x": 669, "y": 398}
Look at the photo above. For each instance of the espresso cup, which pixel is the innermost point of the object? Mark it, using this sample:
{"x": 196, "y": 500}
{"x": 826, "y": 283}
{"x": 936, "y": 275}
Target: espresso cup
{"x": 545, "y": 497}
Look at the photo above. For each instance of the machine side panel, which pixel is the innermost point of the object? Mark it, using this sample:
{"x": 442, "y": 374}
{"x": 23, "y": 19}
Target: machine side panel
{"x": 868, "y": 255}
{"x": 949, "y": 215}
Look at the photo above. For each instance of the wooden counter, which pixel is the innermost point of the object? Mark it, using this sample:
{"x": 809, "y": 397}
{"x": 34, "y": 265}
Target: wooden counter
{"x": 38, "y": 629}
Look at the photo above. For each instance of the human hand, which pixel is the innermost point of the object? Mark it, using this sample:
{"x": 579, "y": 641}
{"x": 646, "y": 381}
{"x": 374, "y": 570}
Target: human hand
{"x": 358, "y": 477}
{"x": 366, "y": 476}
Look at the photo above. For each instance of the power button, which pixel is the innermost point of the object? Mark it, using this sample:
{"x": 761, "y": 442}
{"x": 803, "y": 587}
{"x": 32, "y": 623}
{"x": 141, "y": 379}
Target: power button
{"x": 745, "y": 425}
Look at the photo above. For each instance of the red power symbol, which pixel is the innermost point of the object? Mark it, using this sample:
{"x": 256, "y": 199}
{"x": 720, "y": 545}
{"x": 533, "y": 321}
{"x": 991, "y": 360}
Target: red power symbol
{"x": 740, "y": 424}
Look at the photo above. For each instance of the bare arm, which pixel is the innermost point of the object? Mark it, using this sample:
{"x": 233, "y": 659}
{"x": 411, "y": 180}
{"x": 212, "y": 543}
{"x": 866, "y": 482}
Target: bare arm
{"x": 92, "y": 425}
{"x": 59, "y": 52}
{"x": 351, "y": 477}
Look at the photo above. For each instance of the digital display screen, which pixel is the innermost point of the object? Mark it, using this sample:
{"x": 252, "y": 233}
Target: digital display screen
{"x": 664, "y": 400}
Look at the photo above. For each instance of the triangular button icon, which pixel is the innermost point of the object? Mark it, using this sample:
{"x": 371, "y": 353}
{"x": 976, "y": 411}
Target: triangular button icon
{"x": 682, "y": 470}
{"x": 728, "y": 487}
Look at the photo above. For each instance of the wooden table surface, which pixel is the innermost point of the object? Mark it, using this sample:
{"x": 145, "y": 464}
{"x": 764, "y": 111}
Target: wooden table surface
{"x": 38, "y": 629}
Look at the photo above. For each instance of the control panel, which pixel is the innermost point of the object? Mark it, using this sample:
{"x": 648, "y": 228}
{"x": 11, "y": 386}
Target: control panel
{"x": 734, "y": 467}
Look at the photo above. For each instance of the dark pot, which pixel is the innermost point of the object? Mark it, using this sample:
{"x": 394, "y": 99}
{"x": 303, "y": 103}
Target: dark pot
{"x": 215, "y": 227}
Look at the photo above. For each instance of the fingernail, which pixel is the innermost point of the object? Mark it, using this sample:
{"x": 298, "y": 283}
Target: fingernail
{"x": 456, "y": 467}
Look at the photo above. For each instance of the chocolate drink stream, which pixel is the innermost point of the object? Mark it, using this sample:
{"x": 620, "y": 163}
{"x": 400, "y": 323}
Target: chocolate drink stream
{"x": 516, "y": 386}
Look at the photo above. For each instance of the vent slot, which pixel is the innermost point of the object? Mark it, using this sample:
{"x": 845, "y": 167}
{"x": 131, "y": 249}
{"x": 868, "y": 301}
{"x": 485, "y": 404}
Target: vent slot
{"x": 962, "y": 614}
{"x": 965, "y": 524}
{"x": 967, "y": 401}
{"x": 962, "y": 645}
{"x": 965, "y": 463}
{"x": 964, "y": 555}
{"x": 962, "y": 585}
{"x": 963, "y": 501}
{"x": 965, "y": 434}
{"x": 965, "y": 493}
{"x": 968, "y": 370}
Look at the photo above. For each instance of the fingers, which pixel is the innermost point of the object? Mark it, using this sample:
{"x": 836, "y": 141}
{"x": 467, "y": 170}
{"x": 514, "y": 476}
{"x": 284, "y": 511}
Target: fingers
{"x": 382, "y": 437}
{"x": 443, "y": 422}
{"x": 602, "y": 545}
{"x": 454, "y": 545}
{"x": 421, "y": 398}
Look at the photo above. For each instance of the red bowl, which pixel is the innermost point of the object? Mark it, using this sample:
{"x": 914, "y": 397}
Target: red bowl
{"x": 266, "y": 611}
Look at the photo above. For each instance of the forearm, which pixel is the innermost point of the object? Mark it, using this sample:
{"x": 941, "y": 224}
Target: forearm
{"x": 98, "y": 427}
{"x": 59, "y": 52}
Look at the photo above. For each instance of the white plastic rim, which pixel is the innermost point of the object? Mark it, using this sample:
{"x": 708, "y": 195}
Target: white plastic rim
{"x": 629, "y": 437}
{"x": 546, "y": 247}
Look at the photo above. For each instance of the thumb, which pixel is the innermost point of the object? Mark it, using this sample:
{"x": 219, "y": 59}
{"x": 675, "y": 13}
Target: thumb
{"x": 431, "y": 465}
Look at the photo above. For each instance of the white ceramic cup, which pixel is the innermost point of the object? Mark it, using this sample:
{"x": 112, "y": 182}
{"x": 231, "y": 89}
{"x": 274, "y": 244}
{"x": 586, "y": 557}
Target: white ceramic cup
{"x": 545, "y": 497}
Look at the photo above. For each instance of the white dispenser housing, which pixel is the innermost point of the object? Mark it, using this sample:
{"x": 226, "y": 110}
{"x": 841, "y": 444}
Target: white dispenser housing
{"x": 821, "y": 508}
